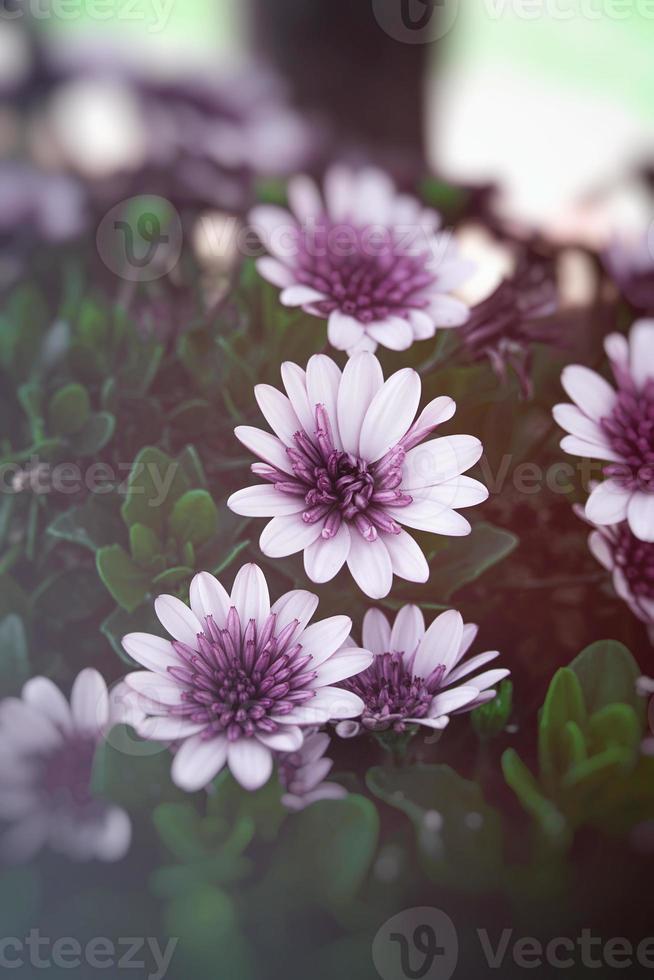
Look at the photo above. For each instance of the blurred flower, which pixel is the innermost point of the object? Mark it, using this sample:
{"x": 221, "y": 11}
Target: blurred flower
{"x": 631, "y": 563}
{"x": 414, "y": 678}
{"x": 504, "y": 326}
{"x": 368, "y": 259}
{"x": 617, "y": 426}
{"x": 303, "y": 773}
{"x": 347, "y": 471}
{"x": 46, "y": 761}
{"x": 631, "y": 264}
{"x": 38, "y": 205}
{"x": 240, "y": 679}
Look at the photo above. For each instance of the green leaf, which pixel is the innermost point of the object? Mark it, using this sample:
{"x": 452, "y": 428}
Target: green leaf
{"x": 616, "y": 725}
{"x": 491, "y": 719}
{"x": 459, "y": 835}
{"x": 14, "y": 663}
{"x": 194, "y": 518}
{"x": 94, "y": 435}
{"x": 180, "y": 828}
{"x": 69, "y": 410}
{"x": 551, "y": 821}
{"x": 608, "y": 673}
{"x": 155, "y": 484}
{"x": 93, "y": 524}
{"x": 144, "y": 544}
{"x": 464, "y": 560}
{"x": 132, "y": 772}
{"x": 327, "y": 850}
{"x": 206, "y": 917}
{"x": 172, "y": 577}
{"x": 564, "y": 704}
{"x": 127, "y": 583}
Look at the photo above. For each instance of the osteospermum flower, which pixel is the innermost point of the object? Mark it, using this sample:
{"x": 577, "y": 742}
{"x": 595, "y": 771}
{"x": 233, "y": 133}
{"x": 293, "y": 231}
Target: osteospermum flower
{"x": 46, "y": 759}
{"x": 240, "y": 678}
{"x": 415, "y": 678}
{"x": 347, "y": 467}
{"x": 631, "y": 563}
{"x": 617, "y": 426}
{"x": 302, "y": 774}
{"x": 369, "y": 260}
{"x": 630, "y": 261}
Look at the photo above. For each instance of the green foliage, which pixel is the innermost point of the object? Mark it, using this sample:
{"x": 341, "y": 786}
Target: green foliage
{"x": 14, "y": 661}
{"x": 589, "y": 735}
{"x": 491, "y": 719}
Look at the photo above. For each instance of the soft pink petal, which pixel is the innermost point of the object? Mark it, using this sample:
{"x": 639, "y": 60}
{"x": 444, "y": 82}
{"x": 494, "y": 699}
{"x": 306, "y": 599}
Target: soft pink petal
{"x": 89, "y": 701}
{"x": 440, "y": 644}
{"x": 447, "y": 311}
{"x": 470, "y": 666}
{"x": 594, "y": 396}
{"x": 601, "y": 550}
{"x": 323, "y": 382}
{"x": 430, "y": 516}
{"x": 408, "y": 630}
{"x": 155, "y": 687}
{"x": 573, "y": 420}
{"x": 177, "y": 619}
{"x": 295, "y": 382}
{"x": 394, "y": 333}
{"x": 641, "y": 343}
{"x": 298, "y": 604}
{"x": 460, "y": 492}
{"x": 343, "y": 331}
{"x": 285, "y": 536}
{"x": 46, "y": 698}
{"x": 250, "y": 763}
{"x": 263, "y": 500}
{"x": 376, "y": 632}
{"x": 152, "y": 652}
{"x": 288, "y": 739}
{"x": 167, "y": 728}
{"x": 198, "y": 761}
{"x": 250, "y": 595}
{"x": 322, "y": 639}
{"x": 407, "y": 558}
{"x": 440, "y": 460}
{"x": 590, "y": 450}
{"x": 362, "y": 379}
{"x": 448, "y": 701}
{"x": 346, "y": 663}
{"x": 640, "y": 515}
{"x": 608, "y": 503}
{"x": 278, "y": 412}
{"x": 370, "y": 565}
{"x": 390, "y": 414}
{"x": 209, "y": 598}
{"x": 264, "y": 445}
{"x": 274, "y": 271}
{"x": 326, "y": 556}
{"x": 304, "y": 198}
{"x": 300, "y": 296}
{"x": 112, "y": 839}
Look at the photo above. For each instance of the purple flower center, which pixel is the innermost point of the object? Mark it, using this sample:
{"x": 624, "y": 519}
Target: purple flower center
{"x": 392, "y": 694}
{"x": 66, "y": 776}
{"x": 636, "y": 559}
{"x": 630, "y": 432}
{"x": 338, "y": 486}
{"x": 369, "y": 273}
{"x": 238, "y": 681}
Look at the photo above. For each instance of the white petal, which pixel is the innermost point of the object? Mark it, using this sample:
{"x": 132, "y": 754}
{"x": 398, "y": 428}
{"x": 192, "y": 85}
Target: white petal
{"x": 323, "y": 381}
{"x": 46, "y": 698}
{"x": 155, "y": 687}
{"x": 294, "y": 379}
{"x": 25, "y": 728}
{"x": 264, "y": 445}
{"x": 370, "y": 565}
{"x": 263, "y": 500}
{"x": 608, "y": 503}
{"x": 198, "y": 761}
{"x": 469, "y": 667}
{"x": 304, "y": 198}
{"x": 287, "y": 535}
{"x": 641, "y": 342}
{"x": 448, "y": 701}
{"x": 348, "y": 729}
{"x": 274, "y": 271}
{"x": 278, "y": 412}
{"x": 437, "y": 411}
{"x": 321, "y": 640}
{"x": 408, "y": 630}
{"x": 407, "y": 558}
{"x": 617, "y": 351}
{"x": 250, "y": 763}
{"x": 346, "y": 663}
{"x": 89, "y": 701}
{"x": 168, "y": 728}
{"x": 440, "y": 460}
{"x": 590, "y": 450}
{"x": 300, "y": 296}
{"x": 373, "y": 197}
{"x": 209, "y": 598}
{"x": 448, "y": 311}
{"x": 111, "y": 841}
{"x": 594, "y": 396}
{"x": 438, "y": 724}
{"x": 273, "y": 224}
{"x": 343, "y": 331}
{"x": 288, "y": 739}
{"x": 298, "y": 604}
{"x": 326, "y": 556}
{"x": 152, "y": 652}
{"x": 440, "y": 644}
{"x": 339, "y": 192}
{"x": 490, "y": 679}
{"x": 362, "y": 379}
{"x": 394, "y": 333}
{"x": 376, "y": 632}
{"x": 573, "y": 420}
{"x": 250, "y": 595}
{"x": 338, "y": 703}
{"x": 422, "y": 325}
{"x": 641, "y": 516}
{"x": 462, "y": 491}
{"x": 601, "y": 550}
{"x": 470, "y": 631}
{"x": 390, "y": 414}
{"x": 177, "y": 619}
{"x": 430, "y": 516}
